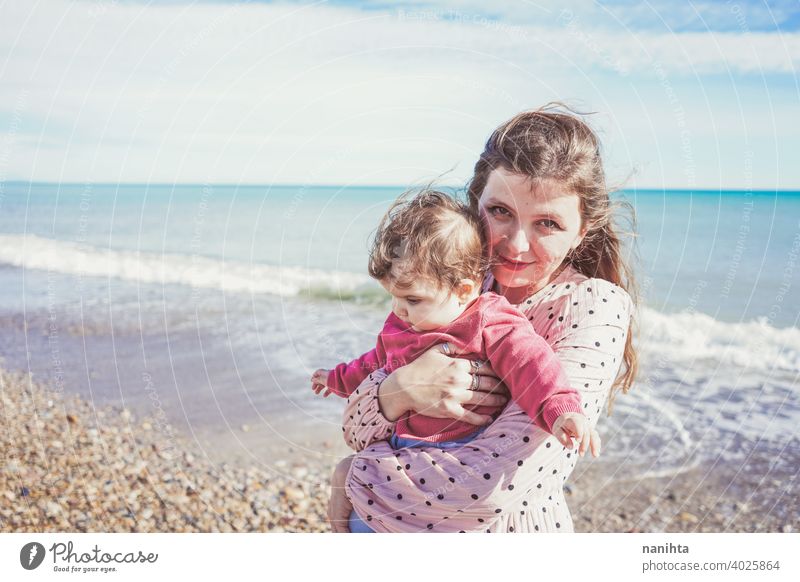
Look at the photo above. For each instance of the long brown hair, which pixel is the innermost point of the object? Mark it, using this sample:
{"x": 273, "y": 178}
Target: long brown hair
{"x": 554, "y": 143}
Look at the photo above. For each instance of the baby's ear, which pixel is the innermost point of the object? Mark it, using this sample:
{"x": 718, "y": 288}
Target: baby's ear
{"x": 466, "y": 288}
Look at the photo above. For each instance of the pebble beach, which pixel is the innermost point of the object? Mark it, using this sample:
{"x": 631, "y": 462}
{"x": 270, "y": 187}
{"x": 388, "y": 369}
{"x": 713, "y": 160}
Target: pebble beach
{"x": 71, "y": 467}
{"x": 68, "y": 467}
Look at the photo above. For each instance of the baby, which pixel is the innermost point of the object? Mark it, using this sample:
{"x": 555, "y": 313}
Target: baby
{"x": 428, "y": 253}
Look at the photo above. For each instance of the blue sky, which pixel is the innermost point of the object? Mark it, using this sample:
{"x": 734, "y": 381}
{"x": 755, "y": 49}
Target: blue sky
{"x": 686, "y": 95}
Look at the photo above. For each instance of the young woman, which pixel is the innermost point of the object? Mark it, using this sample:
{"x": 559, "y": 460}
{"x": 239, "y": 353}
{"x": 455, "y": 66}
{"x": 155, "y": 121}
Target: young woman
{"x": 540, "y": 188}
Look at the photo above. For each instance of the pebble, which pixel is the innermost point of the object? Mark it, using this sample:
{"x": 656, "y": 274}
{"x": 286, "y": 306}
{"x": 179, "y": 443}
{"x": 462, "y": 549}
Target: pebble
{"x": 294, "y": 493}
{"x": 104, "y": 474}
{"x": 52, "y": 509}
{"x": 111, "y": 475}
{"x": 687, "y": 517}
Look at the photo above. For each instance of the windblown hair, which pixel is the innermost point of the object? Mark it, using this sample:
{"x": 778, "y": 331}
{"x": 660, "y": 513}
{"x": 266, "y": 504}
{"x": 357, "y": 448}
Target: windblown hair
{"x": 553, "y": 143}
{"x": 435, "y": 236}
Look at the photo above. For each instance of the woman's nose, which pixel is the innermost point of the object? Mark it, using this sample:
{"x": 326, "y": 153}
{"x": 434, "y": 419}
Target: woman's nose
{"x": 518, "y": 241}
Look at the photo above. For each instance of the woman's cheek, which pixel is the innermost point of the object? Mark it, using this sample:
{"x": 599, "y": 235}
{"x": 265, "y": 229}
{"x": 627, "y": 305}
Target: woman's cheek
{"x": 555, "y": 248}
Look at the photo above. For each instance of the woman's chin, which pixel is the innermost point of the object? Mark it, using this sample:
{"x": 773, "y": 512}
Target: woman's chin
{"x": 513, "y": 279}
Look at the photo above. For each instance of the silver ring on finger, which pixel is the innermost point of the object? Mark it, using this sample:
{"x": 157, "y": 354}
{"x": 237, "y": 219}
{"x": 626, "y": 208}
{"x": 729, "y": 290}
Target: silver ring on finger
{"x": 475, "y": 365}
{"x": 475, "y": 382}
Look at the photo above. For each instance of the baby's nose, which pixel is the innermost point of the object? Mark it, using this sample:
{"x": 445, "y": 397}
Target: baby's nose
{"x": 398, "y": 311}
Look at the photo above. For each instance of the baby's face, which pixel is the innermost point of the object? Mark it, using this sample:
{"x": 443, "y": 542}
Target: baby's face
{"x": 424, "y": 306}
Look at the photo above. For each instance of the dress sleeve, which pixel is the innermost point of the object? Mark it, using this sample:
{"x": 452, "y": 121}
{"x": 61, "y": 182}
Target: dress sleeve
{"x": 363, "y": 423}
{"x": 477, "y": 486}
{"x": 590, "y": 339}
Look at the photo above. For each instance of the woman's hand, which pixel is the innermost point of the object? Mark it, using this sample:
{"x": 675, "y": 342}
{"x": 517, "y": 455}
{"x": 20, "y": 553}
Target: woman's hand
{"x": 441, "y": 385}
{"x": 339, "y": 507}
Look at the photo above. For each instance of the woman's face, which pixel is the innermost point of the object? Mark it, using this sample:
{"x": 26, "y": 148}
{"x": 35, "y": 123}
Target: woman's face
{"x": 531, "y": 228}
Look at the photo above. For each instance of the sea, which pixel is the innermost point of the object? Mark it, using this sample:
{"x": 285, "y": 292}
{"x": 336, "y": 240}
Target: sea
{"x": 209, "y": 306}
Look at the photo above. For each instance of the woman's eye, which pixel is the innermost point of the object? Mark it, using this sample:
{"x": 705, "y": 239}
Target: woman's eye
{"x": 498, "y": 211}
{"x": 412, "y": 301}
{"x": 551, "y": 224}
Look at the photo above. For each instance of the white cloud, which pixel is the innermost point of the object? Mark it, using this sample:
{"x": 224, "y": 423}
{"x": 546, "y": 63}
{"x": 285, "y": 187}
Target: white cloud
{"x": 263, "y": 93}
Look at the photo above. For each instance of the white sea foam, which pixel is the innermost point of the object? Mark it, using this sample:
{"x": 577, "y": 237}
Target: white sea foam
{"x": 33, "y": 252}
{"x": 687, "y": 337}
{"x": 697, "y": 337}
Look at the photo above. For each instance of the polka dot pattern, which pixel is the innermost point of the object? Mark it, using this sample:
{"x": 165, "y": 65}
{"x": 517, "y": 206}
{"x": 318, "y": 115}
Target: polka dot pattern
{"x": 470, "y": 488}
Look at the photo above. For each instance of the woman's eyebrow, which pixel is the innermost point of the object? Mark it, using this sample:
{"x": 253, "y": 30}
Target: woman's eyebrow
{"x": 548, "y": 214}
{"x": 491, "y": 201}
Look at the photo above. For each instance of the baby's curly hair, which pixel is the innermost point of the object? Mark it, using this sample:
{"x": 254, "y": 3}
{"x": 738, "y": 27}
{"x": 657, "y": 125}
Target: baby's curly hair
{"x": 436, "y": 236}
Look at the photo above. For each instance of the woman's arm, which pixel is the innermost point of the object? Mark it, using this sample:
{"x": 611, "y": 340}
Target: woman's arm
{"x": 474, "y": 480}
{"x": 436, "y": 383}
{"x": 363, "y": 423}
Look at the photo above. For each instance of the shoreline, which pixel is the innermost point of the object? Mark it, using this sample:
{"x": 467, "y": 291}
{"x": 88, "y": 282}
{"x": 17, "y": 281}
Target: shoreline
{"x": 72, "y": 467}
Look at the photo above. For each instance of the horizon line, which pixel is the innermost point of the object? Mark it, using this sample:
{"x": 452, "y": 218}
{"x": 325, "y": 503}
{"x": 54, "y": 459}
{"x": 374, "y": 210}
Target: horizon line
{"x": 364, "y": 186}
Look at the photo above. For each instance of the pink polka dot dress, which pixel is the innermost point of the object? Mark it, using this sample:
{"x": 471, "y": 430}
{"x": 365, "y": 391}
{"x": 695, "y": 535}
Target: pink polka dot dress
{"x": 511, "y": 477}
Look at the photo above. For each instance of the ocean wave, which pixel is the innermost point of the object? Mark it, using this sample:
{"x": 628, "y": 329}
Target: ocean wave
{"x": 34, "y": 252}
{"x": 696, "y": 337}
{"x": 688, "y": 337}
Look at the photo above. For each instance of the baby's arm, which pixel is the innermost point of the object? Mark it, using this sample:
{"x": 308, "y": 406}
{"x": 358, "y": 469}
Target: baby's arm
{"x": 529, "y": 367}
{"x": 536, "y": 380}
{"x": 346, "y": 377}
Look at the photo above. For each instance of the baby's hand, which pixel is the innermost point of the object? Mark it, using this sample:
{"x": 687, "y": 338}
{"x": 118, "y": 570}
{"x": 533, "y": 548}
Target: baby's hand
{"x": 318, "y": 382}
{"x": 574, "y": 425}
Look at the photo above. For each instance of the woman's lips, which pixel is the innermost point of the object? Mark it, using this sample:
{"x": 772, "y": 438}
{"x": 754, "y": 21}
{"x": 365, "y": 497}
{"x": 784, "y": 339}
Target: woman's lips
{"x": 511, "y": 264}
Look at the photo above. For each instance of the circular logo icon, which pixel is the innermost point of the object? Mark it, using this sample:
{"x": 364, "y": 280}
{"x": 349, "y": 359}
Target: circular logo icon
{"x": 31, "y": 555}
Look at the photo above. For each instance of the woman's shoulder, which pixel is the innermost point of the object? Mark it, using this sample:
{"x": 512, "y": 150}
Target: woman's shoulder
{"x": 574, "y": 299}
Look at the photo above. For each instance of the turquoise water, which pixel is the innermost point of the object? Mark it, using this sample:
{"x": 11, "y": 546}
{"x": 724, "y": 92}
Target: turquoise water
{"x": 203, "y": 290}
{"x": 731, "y": 255}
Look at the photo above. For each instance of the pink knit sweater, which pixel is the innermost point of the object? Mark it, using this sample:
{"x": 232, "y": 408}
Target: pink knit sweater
{"x": 489, "y": 329}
